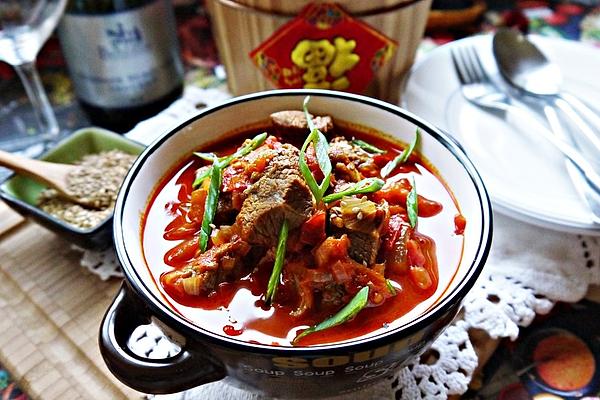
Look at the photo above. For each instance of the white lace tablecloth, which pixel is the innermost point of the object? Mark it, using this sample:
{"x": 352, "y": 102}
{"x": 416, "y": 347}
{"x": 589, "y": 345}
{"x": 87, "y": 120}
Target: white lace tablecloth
{"x": 529, "y": 269}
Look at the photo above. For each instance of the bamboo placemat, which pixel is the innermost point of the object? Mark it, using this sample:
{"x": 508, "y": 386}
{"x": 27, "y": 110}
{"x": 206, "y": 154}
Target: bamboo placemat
{"x": 8, "y": 218}
{"x": 50, "y": 313}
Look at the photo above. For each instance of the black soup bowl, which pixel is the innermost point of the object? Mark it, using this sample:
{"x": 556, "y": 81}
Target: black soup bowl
{"x": 283, "y": 371}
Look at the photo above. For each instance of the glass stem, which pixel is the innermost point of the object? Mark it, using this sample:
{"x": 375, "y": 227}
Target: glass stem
{"x": 42, "y": 109}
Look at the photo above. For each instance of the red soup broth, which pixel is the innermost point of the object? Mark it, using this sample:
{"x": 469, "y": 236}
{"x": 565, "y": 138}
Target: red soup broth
{"x": 237, "y": 309}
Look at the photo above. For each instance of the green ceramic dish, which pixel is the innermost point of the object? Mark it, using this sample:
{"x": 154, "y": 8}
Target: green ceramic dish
{"x": 22, "y": 193}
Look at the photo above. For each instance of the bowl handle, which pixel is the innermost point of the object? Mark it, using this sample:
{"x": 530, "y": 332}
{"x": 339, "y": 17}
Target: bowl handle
{"x": 191, "y": 367}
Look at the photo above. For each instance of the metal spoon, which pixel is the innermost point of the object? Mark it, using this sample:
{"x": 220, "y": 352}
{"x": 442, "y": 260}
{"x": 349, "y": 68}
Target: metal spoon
{"x": 589, "y": 194}
{"x": 525, "y": 67}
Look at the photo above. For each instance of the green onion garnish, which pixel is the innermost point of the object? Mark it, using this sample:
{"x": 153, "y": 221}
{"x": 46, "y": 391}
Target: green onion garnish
{"x": 367, "y": 146}
{"x": 226, "y": 160}
{"x": 321, "y": 150}
{"x": 368, "y": 185}
{"x": 309, "y": 121}
{"x": 412, "y": 205}
{"x": 201, "y": 177}
{"x": 278, "y": 266}
{"x": 390, "y": 287}
{"x": 358, "y": 302}
{"x": 401, "y": 158}
{"x": 243, "y": 150}
{"x": 210, "y": 206}
{"x": 205, "y": 156}
{"x": 215, "y": 172}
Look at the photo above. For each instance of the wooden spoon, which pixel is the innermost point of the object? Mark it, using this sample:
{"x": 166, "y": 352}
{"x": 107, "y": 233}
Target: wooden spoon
{"x": 54, "y": 175}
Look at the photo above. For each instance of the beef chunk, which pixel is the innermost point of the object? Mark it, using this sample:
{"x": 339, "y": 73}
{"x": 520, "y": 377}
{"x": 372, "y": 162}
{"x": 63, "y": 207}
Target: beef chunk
{"x": 343, "y": 151}
{"x": 279, "y": 194}
{"x": 351, "y": 162}
{"x": 361, "y": 220}
{"x": 226, "y": 212}
{"x": 237, "y": 178}
{"x": 364, "y": 246}
{"x": 295, "y": 121}
{"x": 224, "y": 263}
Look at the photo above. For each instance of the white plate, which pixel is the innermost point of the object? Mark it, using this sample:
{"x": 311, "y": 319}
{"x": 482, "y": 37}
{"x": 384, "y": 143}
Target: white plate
{"x": 525, "y": 176}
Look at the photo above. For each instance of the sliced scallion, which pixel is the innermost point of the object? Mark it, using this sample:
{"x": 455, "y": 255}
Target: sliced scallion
{"x": 400, "y": 158}
{"x": 205, "y": 156}
{"x": 210, "y": 206}
{"x": 309, "y": 121}
{"x": 319, "y": 142}
{"x": 358, "y": 302}
{"x": 201, "y": 177}
{"x": 368, "y": 185}
{"x": 243, "y": 150}
{"x": 412, "y": 205}
{"x": 390, "y": 287}
{"x": 215, "y": 172}
{"x": 367, "y": 146}
{"x": 278, "y": 265}
{"x": 226, "y": 160}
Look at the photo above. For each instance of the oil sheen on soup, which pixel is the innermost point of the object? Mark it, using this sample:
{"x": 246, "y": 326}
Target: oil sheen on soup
{"x": 273, "y": 236}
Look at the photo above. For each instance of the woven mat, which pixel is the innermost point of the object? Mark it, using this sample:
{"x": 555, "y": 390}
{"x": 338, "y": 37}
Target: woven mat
{"x": 50, "y": 312}
{"x": 8, "y": 218}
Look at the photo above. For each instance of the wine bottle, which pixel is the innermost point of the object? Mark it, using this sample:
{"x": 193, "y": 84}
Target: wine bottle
{"x": 123, "y": 58}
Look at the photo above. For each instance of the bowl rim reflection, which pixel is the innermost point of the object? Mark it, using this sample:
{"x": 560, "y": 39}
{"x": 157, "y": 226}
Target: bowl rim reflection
{"x": 427, "y": 318}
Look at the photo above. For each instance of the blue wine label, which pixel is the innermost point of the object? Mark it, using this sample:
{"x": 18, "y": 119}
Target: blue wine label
{"x": 124, "y": 59}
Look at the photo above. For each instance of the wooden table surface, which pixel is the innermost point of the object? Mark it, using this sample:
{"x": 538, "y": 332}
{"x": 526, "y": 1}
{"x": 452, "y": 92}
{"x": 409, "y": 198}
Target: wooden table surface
{"x": 51, "y": 309}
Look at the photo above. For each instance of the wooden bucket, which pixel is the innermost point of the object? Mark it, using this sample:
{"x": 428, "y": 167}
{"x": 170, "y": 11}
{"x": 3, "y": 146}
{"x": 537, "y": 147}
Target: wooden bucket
{"x": 240, "y": 26}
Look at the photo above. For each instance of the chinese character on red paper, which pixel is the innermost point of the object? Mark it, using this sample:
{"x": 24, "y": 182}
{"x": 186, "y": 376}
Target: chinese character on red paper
{"x": 323, "y": 48}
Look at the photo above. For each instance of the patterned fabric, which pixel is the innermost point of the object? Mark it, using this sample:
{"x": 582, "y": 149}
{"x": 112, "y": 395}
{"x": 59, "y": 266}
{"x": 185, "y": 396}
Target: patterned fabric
{"x": 572, "y": 20}
{"x": 575, "y": 20}
{"x": 8, "y": 389}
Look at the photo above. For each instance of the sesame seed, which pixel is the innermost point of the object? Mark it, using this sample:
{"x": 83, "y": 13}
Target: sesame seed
{"x": 97, "y": 183}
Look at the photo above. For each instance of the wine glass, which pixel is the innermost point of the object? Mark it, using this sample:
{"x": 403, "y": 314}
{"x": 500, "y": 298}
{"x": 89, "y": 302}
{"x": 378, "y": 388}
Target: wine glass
{"x": 25, "y": 25}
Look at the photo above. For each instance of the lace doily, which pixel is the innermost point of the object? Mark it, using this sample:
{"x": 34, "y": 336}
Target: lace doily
{"x": 529, "y": 269}
{"x": 102, "y": 263}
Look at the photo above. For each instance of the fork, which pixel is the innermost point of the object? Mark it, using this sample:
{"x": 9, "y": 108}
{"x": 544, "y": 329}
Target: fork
{"x": 478, "y": 88}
